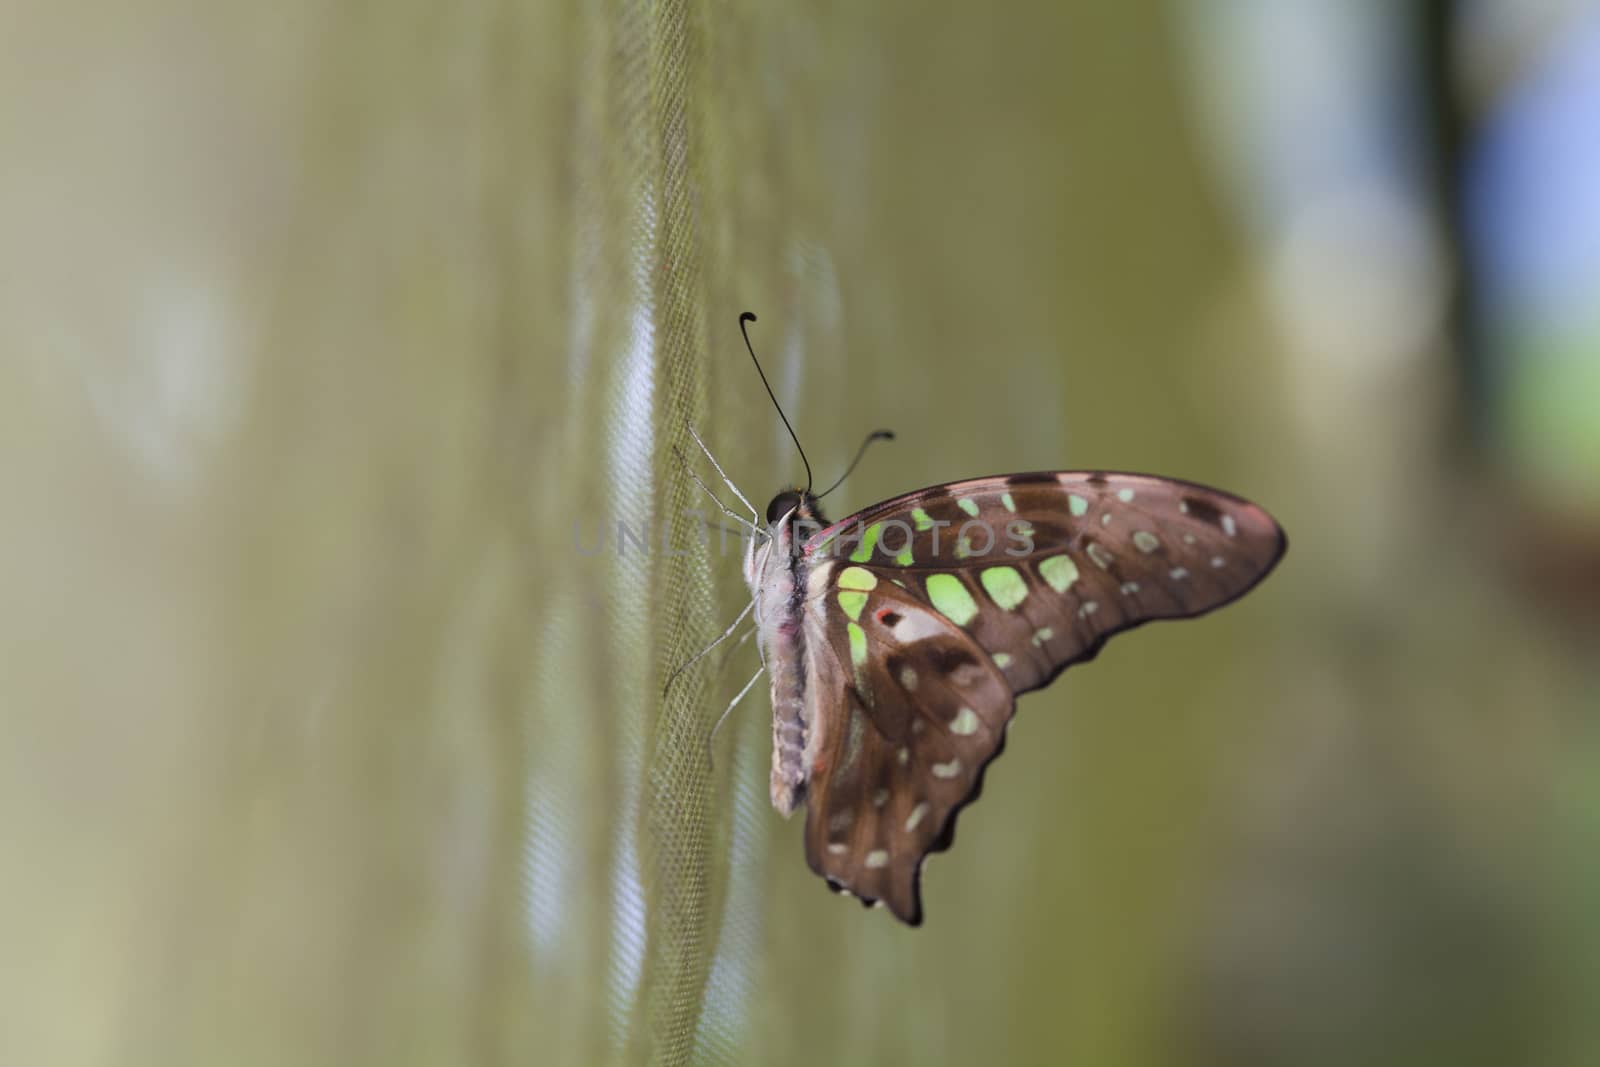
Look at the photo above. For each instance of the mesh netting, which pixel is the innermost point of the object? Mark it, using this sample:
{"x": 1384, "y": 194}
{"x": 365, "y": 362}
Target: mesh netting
{"x": 351, "y": 357}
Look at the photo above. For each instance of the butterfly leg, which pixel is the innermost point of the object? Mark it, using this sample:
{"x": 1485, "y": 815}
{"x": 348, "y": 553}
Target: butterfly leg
{"x": 754, "y": 514}
{"x": 710, "y": 757}
{"x": 747, "y": 635}
{"x": 737, "y": 645}
{"x": 698, "y": 656}
{"x": 730, "y": 513}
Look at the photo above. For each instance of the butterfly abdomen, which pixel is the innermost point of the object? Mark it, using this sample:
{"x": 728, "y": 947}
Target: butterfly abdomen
{"x": 776, "y": 577}
{"x": 790, "y": 730}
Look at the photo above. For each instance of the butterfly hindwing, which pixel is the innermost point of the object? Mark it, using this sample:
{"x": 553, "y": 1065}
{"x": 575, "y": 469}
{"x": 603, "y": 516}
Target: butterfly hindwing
{"x": 914, "y": 710}
{"x": 928, "y": 613}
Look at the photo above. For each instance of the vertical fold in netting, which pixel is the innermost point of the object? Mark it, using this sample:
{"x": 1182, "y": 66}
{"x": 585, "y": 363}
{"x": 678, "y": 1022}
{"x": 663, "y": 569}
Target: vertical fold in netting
{"x": 619, "y": 810}
{"x": 676, "y": 826}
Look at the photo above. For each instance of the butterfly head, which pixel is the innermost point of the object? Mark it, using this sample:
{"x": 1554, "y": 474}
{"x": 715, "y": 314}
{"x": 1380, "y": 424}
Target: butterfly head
{"x": 792, "y": 517}
{"x": 793, "y": 504}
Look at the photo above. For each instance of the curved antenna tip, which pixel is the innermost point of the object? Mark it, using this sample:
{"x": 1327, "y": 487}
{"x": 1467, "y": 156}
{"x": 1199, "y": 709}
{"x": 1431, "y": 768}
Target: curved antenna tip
{"x": 875, "y": 435}
{"x": 749, "y": 316}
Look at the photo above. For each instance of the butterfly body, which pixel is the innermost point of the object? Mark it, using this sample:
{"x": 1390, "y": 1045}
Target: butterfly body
{"x": 778, "y": 574}
{"x": 898, "y": 639}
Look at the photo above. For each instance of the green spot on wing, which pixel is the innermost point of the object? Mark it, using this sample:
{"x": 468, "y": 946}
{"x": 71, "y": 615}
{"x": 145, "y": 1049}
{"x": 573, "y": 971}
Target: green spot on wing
{"x": 852, "y": 602}
{"x": 1004, "y": 586}
{"x": 923, "y": 520}
{"x": 1002, "y": 660}
{"x": 1079, "y": 505}
{"x": 969, "y": 505}
{"x": 904, "y": 558}
{"x": 1059, "y": 571}
{"x": 858, "y": 578}
{"x": 951, "y": 599}
{"x": 869, "y": 541}
{"x": 1010, "y": 505}
{"x": 858, "y": 644}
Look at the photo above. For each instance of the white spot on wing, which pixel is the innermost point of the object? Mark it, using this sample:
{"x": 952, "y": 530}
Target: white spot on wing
{"x": 916, "y": 625}
{"x": 947, "y": 770}
{"x": 877, "y": 858}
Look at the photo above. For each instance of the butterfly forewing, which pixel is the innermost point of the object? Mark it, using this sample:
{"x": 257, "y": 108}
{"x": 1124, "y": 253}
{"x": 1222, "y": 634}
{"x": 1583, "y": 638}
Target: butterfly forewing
{"x": 937, "y": 607}
{"x": 1056, "y": 563}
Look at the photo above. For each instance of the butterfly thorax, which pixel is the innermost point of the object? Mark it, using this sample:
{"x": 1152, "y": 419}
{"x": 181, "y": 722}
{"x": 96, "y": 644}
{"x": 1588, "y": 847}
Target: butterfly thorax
{"x": 777, "y": 571}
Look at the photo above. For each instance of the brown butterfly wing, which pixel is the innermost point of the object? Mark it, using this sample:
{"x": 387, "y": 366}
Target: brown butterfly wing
{"x": 1102, "y": 553}
{"x": 1074, "y": 559}
{"x": 910, "y": 711}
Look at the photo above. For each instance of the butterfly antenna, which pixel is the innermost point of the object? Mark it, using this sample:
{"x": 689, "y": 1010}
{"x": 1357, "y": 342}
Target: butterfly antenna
{"x": 875, "y": 435}
{"x": 745, "y": 317}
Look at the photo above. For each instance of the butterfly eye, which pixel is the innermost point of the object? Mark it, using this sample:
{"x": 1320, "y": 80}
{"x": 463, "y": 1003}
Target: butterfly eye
{"x": 782, "y": 504}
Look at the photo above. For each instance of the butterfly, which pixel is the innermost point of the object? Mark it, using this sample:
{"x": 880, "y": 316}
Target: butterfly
{"x": 898, "y": 639}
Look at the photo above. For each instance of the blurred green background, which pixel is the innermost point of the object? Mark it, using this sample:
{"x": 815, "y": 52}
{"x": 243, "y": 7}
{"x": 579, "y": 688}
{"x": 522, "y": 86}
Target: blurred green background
{"x": 332, "y": 333}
